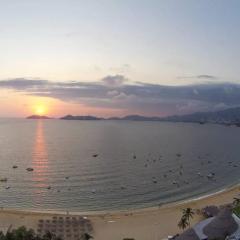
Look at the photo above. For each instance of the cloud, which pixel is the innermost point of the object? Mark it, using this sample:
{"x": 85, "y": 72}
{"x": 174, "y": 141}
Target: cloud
{"x": 206, "y": 77}
{"x": 201, "y": 77}
{"x": 116, "y": 92}
{"x": 114, "y": 81}
{"x": 22, "y": 83}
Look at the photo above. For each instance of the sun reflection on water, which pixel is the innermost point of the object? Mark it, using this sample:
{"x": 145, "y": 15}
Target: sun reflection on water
{"x": 40, "y": 159}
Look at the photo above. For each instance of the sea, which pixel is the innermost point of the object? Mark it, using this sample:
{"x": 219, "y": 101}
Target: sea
{"x": 86, "y": 166}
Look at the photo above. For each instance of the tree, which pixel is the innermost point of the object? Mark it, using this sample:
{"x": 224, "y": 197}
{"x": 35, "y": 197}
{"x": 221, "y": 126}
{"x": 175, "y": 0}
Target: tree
{"x": 236, "y": 202}
{"x": 187, "y": 213}
{"x": 49, "y": 236}
{"x": 22, "y": 233}
{"x": 86, "y": 236}
{"x": 183, "y": 223}
{"x": 2, "y": 237}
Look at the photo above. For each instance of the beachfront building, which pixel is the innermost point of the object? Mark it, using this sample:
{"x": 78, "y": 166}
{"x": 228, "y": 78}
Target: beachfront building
{"x": 226, "y": 225}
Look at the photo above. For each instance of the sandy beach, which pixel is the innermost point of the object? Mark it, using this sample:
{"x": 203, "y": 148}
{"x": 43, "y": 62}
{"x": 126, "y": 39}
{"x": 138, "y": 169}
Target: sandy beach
{"x": 151, "y": 223}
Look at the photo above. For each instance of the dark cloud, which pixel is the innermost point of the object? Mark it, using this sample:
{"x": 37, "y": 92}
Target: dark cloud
{"x": 202, "y": 77}
{"x": 22, "y": 83}
{"x": 152, "y": 99}
{"x": 114, "y": 81}
{"x": 206, "y": 77}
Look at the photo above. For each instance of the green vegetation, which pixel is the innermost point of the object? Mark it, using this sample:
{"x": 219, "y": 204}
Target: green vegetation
{"x": 86, "y": 236}
{"x": 187, "y": 214}
{"x": 236, "y": 202}
{"x": 236, "y": 211}
{"x": 236, "y": 205}
{"x": 22, "y": 233}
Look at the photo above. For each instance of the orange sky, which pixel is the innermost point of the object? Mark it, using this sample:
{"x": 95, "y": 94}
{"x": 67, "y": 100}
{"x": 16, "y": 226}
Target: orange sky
{"x": 19, "y": 105}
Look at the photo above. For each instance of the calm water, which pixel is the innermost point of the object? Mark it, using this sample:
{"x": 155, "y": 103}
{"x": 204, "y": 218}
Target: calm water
{"x": 58, "y": 149}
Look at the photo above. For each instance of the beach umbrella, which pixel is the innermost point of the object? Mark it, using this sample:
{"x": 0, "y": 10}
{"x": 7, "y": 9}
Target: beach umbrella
{"x": 210, "y": 211}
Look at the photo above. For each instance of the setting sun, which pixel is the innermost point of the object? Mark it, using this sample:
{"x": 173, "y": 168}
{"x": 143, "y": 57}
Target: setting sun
{"x": 40, "y": 110}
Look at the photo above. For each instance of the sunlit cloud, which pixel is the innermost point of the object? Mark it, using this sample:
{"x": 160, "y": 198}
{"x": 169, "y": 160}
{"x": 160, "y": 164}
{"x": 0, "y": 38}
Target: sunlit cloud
{"x": 118, "y": 93}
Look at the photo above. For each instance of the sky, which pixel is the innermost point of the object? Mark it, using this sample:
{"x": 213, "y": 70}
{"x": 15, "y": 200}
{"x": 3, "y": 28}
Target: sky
{"x": 118, "y": 57}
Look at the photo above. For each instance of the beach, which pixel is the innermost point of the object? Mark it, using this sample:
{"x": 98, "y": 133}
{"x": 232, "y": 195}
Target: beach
{"x": 151, "y": 223}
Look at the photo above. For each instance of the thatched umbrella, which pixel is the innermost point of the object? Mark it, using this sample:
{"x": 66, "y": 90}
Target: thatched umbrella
{"x": 210, "y": 211}
{"x": 189, "y": 234}
{"x": 221, "y": 226}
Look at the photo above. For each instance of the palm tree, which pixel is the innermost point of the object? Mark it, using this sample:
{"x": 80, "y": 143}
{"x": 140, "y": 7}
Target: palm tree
{"x": 2, "y": 237}
{"x": 22, "y": 233}
{"x": 183, "y": 223}
{"x": 188, "y": 213}
{"x": 236, "y": 202}
{"x": 86, "y": 236}
{"x": 49, "y": 236}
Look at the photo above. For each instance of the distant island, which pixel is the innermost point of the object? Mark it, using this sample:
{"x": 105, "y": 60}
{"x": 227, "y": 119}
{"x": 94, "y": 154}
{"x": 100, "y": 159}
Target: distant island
{"x": 38, "y": 117}
{"x": 70, "y": 117}
{"x": 229, "y": 116}
{"x": 129, "y": 118}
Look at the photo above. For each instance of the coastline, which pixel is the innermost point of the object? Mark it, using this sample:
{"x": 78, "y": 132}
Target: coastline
{"x": 190, "y": 200}
{"x": 154, "y": 222}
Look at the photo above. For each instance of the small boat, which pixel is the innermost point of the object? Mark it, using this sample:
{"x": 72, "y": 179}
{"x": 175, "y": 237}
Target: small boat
{"x": 29, "y": 169}
{"x": 174, "y": 182}
{"x": 134, "y": 156}
{"x": 15, "y": 166}
{"x": 210, "y": 175}
{"x": 49, "y": 187}
{"x": 178, "y": 155}
{"x": 7, "y": 187}
{"x": 95, "y": 155}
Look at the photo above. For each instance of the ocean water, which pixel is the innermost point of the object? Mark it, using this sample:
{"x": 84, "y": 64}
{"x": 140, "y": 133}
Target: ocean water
{"x": 139, "y": 164}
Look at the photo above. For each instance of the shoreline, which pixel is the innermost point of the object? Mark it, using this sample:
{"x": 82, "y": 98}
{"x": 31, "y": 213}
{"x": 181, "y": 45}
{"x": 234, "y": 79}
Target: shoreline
{"x": 154, "y": 223}
{"x": 123, "y": 211}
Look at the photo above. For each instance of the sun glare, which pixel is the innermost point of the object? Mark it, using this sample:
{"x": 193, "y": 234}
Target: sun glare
{"x": 40, "y": 110}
